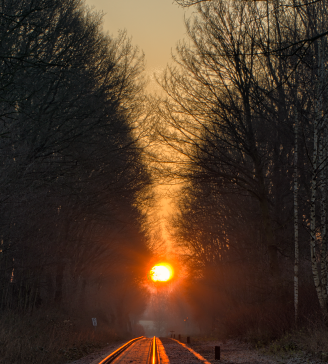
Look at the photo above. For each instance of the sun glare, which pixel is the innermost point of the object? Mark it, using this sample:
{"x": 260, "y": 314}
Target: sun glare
{"x": 161, "y": 272}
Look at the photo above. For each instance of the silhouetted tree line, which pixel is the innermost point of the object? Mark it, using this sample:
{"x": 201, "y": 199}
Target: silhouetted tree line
{"x": 246, "y": 122}
{"x": 71, "y": 170}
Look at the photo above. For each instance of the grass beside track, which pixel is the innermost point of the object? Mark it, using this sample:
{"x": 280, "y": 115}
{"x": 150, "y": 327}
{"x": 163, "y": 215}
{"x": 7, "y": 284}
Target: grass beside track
{"x": 311, "y": 341}
{"x": 48, "y": 337}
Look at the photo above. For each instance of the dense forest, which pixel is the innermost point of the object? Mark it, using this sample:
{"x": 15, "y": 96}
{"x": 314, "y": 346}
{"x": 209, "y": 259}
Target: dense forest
{"x": 241, "y": 129}
{"x": 244, "y": 123}
{"x": 71, "y": 172}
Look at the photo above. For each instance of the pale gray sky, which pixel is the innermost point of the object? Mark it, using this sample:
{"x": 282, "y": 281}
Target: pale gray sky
{"x": 154, "y": 25}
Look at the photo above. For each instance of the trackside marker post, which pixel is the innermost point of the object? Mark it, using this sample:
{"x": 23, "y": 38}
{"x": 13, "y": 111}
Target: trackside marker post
{"x": 94, "y": 322}
{"x": 217, "y": 352}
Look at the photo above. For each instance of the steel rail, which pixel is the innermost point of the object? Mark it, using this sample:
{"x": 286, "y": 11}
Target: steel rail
{"x": 153, "y": 357}
{"x": 119, "y": 351}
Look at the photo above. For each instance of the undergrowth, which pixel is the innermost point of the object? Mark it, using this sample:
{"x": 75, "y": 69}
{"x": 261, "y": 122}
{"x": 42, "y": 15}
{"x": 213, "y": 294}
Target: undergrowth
{"x": 48, "y": 337}
{"x": 311, "y": 339}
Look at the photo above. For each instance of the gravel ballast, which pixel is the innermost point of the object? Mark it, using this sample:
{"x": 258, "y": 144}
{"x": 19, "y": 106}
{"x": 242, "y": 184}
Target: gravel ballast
{"x": 232, "y": 352}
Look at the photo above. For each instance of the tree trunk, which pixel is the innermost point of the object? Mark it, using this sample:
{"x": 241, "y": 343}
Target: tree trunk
{"x": 59, "y": 283}
{"x": 296, "y": 260}
{"x": 323, "y": 173}
{"x": 268, "y": 235}
{"x": 82, "y": 293}
{"x": 323, "y": 250}
{"x": 313, "y": 230}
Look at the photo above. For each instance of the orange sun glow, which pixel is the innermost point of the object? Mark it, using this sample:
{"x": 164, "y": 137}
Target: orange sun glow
{"x": 161, "y": 272}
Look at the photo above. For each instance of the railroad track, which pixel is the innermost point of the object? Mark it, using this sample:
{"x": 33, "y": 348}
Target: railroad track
{"x": 141, "y": 348}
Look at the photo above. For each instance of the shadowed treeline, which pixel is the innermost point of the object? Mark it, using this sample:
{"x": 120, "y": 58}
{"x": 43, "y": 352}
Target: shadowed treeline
{"x": 245, "y": 129}
{"x": 71, "y": 170}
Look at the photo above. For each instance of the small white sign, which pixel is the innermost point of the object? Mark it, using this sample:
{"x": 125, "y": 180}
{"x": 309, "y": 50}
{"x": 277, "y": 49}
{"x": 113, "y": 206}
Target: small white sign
{"x": 94, "y": 321}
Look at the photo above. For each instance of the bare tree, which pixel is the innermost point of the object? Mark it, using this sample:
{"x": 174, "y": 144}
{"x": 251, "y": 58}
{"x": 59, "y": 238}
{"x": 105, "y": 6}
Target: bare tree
{"x": 72, "y": 158}
{"x": 221, "y": 125}
{"x": 238, "y": 116}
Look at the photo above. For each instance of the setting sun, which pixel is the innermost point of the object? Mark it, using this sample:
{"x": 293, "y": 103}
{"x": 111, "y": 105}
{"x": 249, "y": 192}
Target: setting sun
{"x": 161, "y": 272}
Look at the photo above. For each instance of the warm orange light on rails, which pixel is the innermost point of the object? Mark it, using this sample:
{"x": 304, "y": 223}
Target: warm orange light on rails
{"x": 161, "y": 272}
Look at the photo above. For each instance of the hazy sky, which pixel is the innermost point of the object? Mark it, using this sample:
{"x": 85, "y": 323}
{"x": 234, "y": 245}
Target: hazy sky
{"x": 154, "y": 25}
